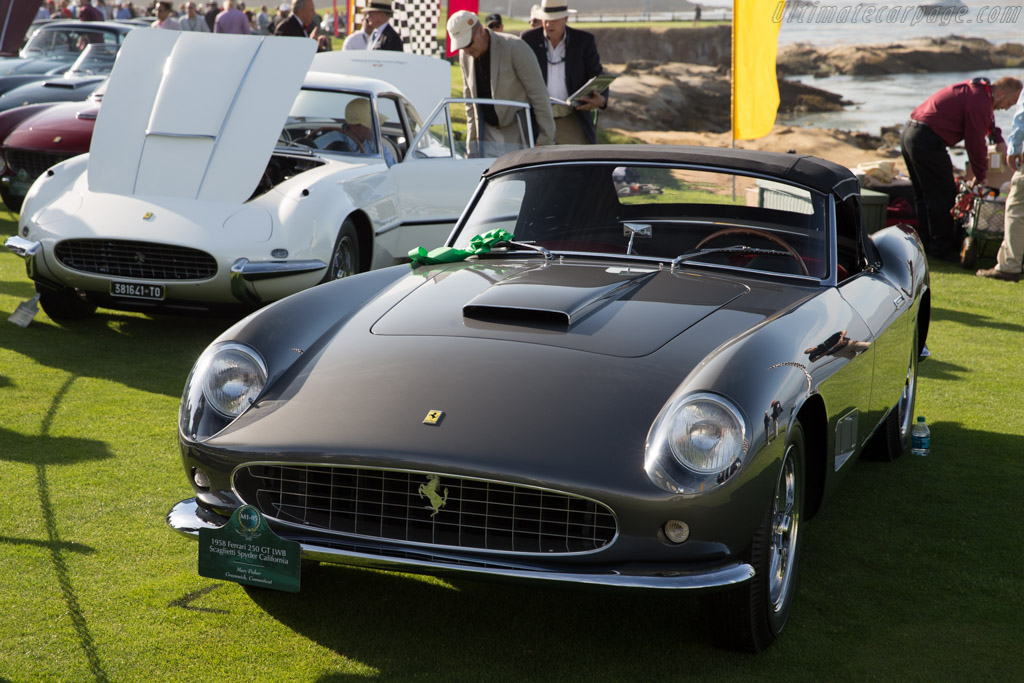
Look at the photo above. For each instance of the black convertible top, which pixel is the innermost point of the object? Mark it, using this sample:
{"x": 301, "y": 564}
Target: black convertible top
{"x": 808, "y": 171}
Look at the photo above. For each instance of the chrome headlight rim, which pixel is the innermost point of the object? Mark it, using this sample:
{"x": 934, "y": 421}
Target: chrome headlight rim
{"x": 668, "y": 468}
{"x": 205, "y": 373}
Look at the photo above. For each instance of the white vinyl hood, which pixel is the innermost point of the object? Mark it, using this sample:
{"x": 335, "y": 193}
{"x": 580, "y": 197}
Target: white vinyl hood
{"x": 194, "y": 115}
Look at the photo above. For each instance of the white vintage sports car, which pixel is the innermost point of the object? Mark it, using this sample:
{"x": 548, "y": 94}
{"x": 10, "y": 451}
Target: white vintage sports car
{"x": 224, "y": 173}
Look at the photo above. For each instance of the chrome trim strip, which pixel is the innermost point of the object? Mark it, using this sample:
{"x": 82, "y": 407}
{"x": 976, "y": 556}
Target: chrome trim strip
{"x": 436, "y": 546}
{"x": 184, "y": 518}
{"x": 244, "y": 272}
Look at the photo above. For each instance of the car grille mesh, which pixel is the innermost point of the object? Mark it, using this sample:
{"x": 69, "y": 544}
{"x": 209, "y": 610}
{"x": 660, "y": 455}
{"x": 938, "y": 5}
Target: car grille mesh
{"x": 396, "y": 505}
{"x": 33, "y": 163}
{"x": 141, "y": 260}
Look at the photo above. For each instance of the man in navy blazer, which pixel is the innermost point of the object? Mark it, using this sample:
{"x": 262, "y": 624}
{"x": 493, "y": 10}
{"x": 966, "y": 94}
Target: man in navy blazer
{"x": 568, "y": 58}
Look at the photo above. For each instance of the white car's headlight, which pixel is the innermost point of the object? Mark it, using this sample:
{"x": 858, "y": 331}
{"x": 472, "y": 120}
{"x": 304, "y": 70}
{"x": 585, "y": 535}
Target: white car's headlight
{"x": 697, "y": 443}
{"x": 232, "y": 378}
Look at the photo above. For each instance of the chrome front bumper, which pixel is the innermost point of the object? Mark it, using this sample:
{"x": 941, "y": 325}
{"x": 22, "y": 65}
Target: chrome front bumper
{"x": 187, "y": 518}
{"x": 244, "y": 272}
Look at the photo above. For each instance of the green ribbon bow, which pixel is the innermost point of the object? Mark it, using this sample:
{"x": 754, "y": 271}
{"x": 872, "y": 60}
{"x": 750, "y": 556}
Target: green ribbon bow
{"x": 480, "y": 244}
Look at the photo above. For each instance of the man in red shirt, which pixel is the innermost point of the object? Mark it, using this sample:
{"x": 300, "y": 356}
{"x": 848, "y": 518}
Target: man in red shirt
{"x": 86, "y": 12}
{"x": 962, "y": 111}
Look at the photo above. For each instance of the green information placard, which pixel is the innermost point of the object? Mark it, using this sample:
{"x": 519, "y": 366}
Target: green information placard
{"x": 246, "y": 550}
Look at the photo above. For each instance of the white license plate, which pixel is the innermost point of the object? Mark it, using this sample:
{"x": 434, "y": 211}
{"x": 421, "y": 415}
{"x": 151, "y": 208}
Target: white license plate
{"x": 134, "y": 290}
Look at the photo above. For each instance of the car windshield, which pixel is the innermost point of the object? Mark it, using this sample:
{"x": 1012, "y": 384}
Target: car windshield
{"x": 65, "y": 43}
{"x": 714, "y": 217}
{"x": 333, "y": 121}
{"x": 98, "y": 58}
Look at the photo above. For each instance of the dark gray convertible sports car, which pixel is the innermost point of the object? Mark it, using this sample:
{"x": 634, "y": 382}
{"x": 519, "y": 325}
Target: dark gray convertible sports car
{"x": 594, "y": 382}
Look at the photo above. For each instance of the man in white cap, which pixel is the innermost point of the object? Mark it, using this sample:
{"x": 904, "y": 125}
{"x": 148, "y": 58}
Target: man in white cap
{"x": 383, "y": 36}
{"x": 357, "y": 136}
{"x": 568, "y": 59}
{"x": 499, "y": 66}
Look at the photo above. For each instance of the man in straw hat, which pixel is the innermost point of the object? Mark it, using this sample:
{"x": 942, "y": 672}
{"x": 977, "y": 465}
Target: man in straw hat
{"x": 383, "y": 37}
{"x": 568, "y": 59}
{"x": 499, "y": 66}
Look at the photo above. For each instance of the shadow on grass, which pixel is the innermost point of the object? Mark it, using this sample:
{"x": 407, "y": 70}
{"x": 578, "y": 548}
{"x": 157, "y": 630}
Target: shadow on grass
{"x": 973, "y": 320}
{"x": 43, "y": 452}
{"x": 934, "y": 368}
{"x": 407, "y": 628}
{"x": 149, "y": 354}
{"x": 20, "y": 289}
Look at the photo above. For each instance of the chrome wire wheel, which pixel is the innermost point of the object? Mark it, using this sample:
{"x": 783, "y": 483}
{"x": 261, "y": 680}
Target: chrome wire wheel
{"x": 344, "y": 258}
{"x": 784, "y": 533}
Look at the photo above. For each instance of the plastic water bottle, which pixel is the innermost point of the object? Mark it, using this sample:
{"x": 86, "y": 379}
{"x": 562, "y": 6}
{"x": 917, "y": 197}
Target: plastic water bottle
{"x": 920, "y": 437}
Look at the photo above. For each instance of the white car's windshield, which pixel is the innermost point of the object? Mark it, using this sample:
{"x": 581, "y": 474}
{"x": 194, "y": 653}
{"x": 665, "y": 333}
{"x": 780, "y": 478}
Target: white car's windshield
{"x": 655, "y": 211}
{"x": 332, "y": 121}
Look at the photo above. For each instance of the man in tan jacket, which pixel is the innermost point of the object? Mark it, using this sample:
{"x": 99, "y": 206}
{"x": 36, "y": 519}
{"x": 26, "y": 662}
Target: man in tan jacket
{"x": 499, "y": 66}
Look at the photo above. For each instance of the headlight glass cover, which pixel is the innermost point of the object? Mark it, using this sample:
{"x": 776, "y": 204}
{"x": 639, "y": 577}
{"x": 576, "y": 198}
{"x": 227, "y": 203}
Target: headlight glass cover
{"x": 705, "y": 436}
{"x": 232, "y": 377}
{"x": 698, "y": 442}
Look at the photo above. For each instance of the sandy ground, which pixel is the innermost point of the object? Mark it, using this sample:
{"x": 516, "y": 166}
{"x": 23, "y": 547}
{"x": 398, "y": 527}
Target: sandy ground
{"x": 829, "y": 144}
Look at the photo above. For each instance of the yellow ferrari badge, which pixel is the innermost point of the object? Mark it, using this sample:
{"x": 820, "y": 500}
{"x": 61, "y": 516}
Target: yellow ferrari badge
{"x": 434, "y": 417}
{"x": 147, "y": 215}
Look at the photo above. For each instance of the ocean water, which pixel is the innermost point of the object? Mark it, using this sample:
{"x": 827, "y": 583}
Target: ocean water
{"x": 879, "y": 101}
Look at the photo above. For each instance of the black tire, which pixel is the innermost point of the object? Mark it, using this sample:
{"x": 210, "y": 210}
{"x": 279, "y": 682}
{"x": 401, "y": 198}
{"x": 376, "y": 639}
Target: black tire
{"x": 968, "y": 252}
{"x": 345, "y": 259}
{"x": 12, "y": 202}
{"x": 750, "y": 617}
{"x": 64, "y": 304}
{"x": 893, "y": 439}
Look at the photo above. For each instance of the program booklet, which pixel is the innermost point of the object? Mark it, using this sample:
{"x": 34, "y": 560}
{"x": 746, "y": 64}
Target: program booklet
{"x": 599, "y": 83}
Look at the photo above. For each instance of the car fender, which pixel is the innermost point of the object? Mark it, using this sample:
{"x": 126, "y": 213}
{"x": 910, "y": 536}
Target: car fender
{"x": 12, "y": 118}
{"x": 286, "y": 330}
{"x": 768, "y": 374}
{"x": 50, "y": 186}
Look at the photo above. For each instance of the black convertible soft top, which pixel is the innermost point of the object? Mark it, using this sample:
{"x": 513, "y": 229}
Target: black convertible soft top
{"x": 813, "y": 172}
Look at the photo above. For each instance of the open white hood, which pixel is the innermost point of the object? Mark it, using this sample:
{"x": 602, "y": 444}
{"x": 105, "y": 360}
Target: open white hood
{"x": 194, "y": 115}
{"x": 425, "y": 81}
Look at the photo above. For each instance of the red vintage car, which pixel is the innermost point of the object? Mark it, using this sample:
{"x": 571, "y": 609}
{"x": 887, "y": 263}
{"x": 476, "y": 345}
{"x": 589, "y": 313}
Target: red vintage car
{"x": 35, "y": 137}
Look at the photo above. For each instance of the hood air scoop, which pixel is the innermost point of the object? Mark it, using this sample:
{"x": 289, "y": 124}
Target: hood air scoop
{"x": 539, "y": 297}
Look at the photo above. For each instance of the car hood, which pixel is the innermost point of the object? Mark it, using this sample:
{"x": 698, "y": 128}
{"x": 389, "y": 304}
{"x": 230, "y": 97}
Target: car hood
{"x": 187, "y": 130}
{"x": 60, "y": 119}
{"x": 594, "y": 307}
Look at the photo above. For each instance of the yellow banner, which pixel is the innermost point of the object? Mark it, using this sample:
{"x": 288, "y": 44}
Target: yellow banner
{"x": 755, "y": 88}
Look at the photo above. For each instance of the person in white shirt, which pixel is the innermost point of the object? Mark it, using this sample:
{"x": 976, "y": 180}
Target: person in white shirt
{"x": 358, "y": 40}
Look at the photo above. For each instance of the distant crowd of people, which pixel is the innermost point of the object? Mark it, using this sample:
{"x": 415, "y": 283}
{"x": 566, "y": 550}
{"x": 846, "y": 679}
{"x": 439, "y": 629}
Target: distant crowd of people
{"x": 542, "y": 67}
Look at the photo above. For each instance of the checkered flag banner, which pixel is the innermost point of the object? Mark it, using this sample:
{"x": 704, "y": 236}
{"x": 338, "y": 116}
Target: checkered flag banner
{"x": 416, "y": 22}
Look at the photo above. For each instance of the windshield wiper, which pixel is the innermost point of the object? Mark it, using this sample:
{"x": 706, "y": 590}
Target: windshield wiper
{"x": 530, "y": 245}
{"x": 738, "y": 249}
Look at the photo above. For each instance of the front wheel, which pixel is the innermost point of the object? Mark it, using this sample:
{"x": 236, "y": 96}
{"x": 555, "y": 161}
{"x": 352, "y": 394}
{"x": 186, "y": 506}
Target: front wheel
{"x": 345, "y": 256}
{"x": 749, "y": 618}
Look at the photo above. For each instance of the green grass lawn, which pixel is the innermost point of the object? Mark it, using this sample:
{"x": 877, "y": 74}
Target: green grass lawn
{"x": 911, "y": 573}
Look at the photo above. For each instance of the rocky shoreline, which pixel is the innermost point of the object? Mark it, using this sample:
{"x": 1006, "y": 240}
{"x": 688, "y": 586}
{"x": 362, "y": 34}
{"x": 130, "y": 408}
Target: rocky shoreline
{"x": 682, "y": 85}
{"x": 924, "y": 55}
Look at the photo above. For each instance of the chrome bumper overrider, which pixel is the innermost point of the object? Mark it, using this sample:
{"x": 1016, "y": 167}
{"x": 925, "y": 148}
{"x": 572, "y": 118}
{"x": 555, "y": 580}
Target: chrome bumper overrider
{"x": 244, "y": 272}
{"x": 28, "y": 250}
{"x": 187, "y": 519}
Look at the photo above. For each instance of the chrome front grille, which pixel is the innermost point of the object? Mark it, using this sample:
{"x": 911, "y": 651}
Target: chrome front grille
{"x": 140, "y": 260}
{"x": 425, "y": 509}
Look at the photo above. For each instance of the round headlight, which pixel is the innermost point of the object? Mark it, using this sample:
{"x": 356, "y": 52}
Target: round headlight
{"x": 234, "y": 376}
{"x": 706, "y": 435}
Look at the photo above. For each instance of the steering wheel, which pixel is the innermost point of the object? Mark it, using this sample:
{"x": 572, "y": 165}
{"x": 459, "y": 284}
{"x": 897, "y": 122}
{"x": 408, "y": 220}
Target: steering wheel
{"x": 757, "y": 232}
{"x": 357, "y": 143}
